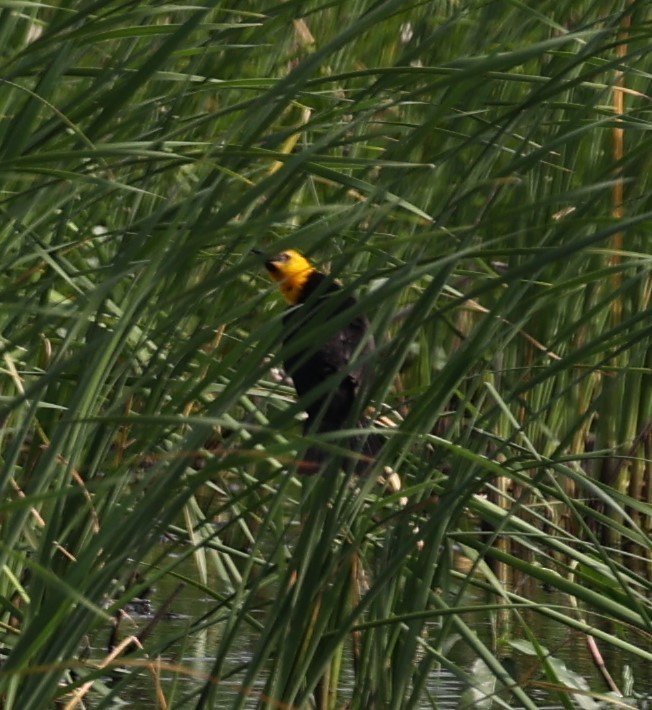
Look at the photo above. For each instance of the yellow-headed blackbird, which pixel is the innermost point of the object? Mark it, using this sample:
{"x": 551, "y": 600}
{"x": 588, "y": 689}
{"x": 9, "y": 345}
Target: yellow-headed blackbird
{"x": 313, "y": 299}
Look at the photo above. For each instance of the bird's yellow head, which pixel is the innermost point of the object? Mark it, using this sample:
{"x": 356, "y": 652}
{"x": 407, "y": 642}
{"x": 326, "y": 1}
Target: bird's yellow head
{"x": 292, "y": 270}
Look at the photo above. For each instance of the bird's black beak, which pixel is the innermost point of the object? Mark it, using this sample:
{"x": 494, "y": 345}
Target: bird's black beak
{"x": 265, "y": 258}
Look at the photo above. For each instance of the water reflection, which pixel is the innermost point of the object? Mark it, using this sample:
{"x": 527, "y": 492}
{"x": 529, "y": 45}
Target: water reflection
{"x": 193, "y": 647}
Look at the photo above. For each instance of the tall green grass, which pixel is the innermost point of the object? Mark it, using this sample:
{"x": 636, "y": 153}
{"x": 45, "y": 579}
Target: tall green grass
{"x": 457, "y": 165}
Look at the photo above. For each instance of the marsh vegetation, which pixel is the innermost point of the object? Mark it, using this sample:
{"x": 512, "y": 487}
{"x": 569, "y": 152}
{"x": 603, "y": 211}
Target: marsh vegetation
{"x": 478, "y": 173}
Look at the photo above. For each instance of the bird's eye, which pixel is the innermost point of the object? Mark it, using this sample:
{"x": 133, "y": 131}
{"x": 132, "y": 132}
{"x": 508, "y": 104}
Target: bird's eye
{"x": 283, "y": 257}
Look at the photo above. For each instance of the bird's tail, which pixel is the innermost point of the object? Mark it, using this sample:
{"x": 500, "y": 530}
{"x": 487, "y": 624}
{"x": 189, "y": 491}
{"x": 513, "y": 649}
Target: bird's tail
{"x": 365, "y": 448}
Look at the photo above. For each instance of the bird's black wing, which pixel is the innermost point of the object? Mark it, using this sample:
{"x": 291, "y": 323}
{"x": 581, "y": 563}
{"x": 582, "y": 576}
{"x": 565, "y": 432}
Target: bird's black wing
{"x": 321, "y": 360}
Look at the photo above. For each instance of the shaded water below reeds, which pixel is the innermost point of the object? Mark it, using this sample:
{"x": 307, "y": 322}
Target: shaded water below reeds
{"x": 194, "y": 656}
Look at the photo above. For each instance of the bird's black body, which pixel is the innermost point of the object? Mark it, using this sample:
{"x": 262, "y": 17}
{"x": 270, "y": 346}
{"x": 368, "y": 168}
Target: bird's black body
{"x": 320, "y": 360}
{"x": 310, "y": 364}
